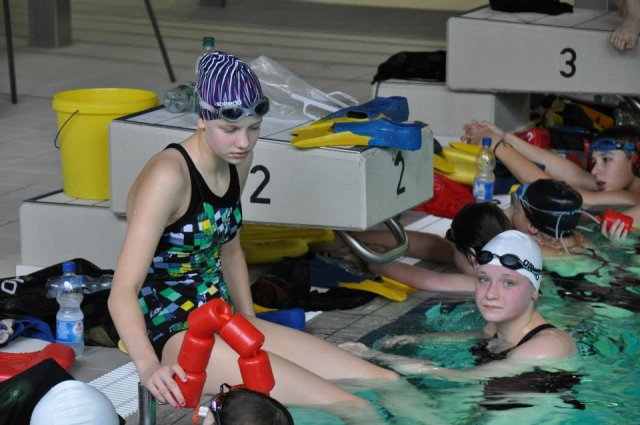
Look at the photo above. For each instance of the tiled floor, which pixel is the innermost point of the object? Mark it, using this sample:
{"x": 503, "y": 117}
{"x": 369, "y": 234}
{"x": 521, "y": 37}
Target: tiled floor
{"x": 331, "y": 47}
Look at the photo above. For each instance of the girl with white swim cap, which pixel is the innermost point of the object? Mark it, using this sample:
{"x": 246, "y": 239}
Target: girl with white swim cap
{"x": 508, "y": 278}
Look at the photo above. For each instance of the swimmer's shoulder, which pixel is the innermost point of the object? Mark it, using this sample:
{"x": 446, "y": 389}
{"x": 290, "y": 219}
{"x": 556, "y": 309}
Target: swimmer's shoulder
{"x": 551, "y": 343}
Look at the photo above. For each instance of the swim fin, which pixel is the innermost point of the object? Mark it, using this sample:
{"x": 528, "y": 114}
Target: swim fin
{"x": 376, "y": 288}
{"x": 322, "y": 127}
{"x": 442, "y": 164}
{"x": 332, "y": 272}
{"x": 385, "y": 133}
{"x": 395, "y": 108}
{"x": 379, "y": 133}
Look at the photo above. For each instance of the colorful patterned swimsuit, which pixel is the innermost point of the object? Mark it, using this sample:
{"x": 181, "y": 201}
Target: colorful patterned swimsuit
{"x": 186, "y": 271}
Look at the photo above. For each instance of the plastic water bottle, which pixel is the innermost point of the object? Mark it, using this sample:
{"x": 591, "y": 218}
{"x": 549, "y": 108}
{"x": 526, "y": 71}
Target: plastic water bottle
{"x": 181, "y": 98}
{"x": 207, "y": 46}
{"x": 70, "y": 320}
{"x": 484, "y": 180}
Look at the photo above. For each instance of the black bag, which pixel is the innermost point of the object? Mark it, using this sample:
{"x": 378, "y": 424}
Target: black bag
{"x": 429, "y": 66}
{"x": 289, "y": 286}
{"x": 27, "y": 296}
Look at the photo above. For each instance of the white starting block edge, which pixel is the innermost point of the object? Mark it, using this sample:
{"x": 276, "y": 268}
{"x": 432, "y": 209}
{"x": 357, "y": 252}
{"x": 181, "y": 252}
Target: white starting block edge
{"x": 530, "y": 52}
{"x": 351, "y": 188}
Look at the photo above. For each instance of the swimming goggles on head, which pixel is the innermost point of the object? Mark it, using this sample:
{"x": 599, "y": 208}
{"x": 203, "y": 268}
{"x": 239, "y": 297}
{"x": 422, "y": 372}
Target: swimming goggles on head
{"x": 608, "y": 145}
{"x": 510, "y": 261}
{"x": 217, "y": 401}
{"x": 234, "y": 113}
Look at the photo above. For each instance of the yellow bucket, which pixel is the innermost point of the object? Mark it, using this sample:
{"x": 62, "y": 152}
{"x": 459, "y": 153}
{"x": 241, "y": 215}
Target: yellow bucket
{"x": 83, "y": 124}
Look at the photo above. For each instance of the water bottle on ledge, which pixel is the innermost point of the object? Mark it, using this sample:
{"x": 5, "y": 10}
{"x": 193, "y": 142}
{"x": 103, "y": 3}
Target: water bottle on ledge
{"x": 484, "y": 180}
{"x": 181, "y": 98}
{"x": 70, "y": 319}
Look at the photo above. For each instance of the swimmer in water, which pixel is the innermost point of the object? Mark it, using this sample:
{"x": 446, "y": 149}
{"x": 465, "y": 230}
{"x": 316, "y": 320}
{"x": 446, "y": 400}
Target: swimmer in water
{"x": 472, "y": 227}
{"x": 609, "y": 182}
{"x": 549, "y": 211}
{"x": 518, "y": 337}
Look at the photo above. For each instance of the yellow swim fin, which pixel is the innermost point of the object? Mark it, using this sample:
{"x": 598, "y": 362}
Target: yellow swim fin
{"x": 397, "y": 285}
{"x": 376, "y": 288}
{"x": 321, "y": 127}
{"x": 442, "y": 164}
{"x": 454, "y": 154}
{"x": 261, "y": 252}
{"x": 343, "y": 138}
{"x": 474, "y": 149}
{"x": 262, "y": 232}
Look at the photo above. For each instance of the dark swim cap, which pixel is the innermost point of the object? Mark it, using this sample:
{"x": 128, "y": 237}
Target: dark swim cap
{"x": 225, "y": 81}
{"x": 552, "y": 206}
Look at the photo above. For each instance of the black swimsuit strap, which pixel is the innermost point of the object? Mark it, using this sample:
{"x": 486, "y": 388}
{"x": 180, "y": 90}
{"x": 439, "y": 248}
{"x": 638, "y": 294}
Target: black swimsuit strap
{"x": 533, "y": 332}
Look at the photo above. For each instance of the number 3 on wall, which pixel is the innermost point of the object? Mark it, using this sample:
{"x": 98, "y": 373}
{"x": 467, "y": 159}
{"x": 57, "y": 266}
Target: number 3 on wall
{"x": 570, "y": 62}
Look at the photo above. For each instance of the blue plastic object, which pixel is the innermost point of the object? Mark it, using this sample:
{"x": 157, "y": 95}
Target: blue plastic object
{"x": 291, "y": 317}
{"x": 395, "y": 108}
{"x": 385, "y": 133}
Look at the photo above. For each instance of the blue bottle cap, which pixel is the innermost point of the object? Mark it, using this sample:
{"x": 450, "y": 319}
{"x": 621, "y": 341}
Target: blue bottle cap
{"x": 68, "y": 267}
{"x": 486, "y": 141}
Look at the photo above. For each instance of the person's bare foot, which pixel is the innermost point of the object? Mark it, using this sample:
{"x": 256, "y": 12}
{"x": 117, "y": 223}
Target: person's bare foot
{"x": 625, "y": 36}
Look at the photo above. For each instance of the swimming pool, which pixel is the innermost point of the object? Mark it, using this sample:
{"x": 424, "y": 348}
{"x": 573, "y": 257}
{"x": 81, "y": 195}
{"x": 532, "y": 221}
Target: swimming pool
{"x": 596, "y": 298}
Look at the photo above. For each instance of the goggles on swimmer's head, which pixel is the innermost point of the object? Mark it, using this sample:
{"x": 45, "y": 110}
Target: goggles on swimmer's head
{"x": 557, "y": 230}
{"x": 608, "y": 145}
{"x": 234, "y": 113}
{"x": 510, "y": 261}
{"x": 217, "y": 401}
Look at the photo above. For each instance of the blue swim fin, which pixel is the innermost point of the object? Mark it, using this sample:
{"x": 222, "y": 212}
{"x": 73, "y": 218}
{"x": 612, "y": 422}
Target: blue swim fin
{"x": 385, "y": 133}
{"x": 394, "y": 108}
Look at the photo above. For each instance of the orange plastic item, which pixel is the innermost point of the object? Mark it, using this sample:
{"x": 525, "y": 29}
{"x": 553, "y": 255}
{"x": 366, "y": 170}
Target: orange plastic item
{"x": 215, "y": 317}
{"x": 13, "y": 363}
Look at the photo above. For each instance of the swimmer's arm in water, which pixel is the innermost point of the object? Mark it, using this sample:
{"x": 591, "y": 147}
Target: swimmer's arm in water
{"x": 424, "y": 279}
{"x": 395, "y": 340}
{"x": 409, "y": 366}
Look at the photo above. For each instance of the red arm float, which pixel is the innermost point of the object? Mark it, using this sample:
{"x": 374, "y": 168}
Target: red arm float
{"x": 13, "y": 363}
{"x": 235, "y": 330}
{"x": 610, "y": 216}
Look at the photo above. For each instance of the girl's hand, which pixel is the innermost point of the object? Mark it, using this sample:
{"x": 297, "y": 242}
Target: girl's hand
{"x": 159, "y": 380}
{"x": 615, "y": 231}
{"x": 475, "y": 131}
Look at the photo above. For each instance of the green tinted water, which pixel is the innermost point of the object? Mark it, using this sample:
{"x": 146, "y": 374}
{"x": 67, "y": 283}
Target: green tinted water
{"x": 596, "y": 298}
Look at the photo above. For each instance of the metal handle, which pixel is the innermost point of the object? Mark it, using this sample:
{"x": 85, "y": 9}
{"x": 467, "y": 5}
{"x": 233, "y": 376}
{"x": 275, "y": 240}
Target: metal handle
{"x": 393, "y": 224}
{"x": 146, "y": 406}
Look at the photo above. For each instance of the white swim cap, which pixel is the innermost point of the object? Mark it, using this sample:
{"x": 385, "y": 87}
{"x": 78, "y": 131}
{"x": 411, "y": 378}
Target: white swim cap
{"x": 516, "y": 251}
{"x": 74, "y": 403}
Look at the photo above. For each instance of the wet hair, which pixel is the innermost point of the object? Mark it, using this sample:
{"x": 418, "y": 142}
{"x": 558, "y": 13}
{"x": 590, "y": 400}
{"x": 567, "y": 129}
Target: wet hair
{"x": 552, "y": 206}
{"x": 223, "y": 81}
{"x": 626, "y": 134}
{"x": 244, "y": 406}
{"x": 475, "y": 225}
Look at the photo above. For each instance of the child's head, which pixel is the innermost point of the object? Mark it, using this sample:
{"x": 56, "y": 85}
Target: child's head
{"x": 228, "y": 89}
{"x": 550, "y": 206}
{"x": 473, "y": 226}
{"x": 612, "y": 155}
{"x": 239, "y": 406}
{"x": 508, "y": 276}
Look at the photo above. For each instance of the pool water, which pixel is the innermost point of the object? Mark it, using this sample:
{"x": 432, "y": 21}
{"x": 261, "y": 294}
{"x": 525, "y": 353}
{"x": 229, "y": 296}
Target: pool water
{"x": 596, "y": 298}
